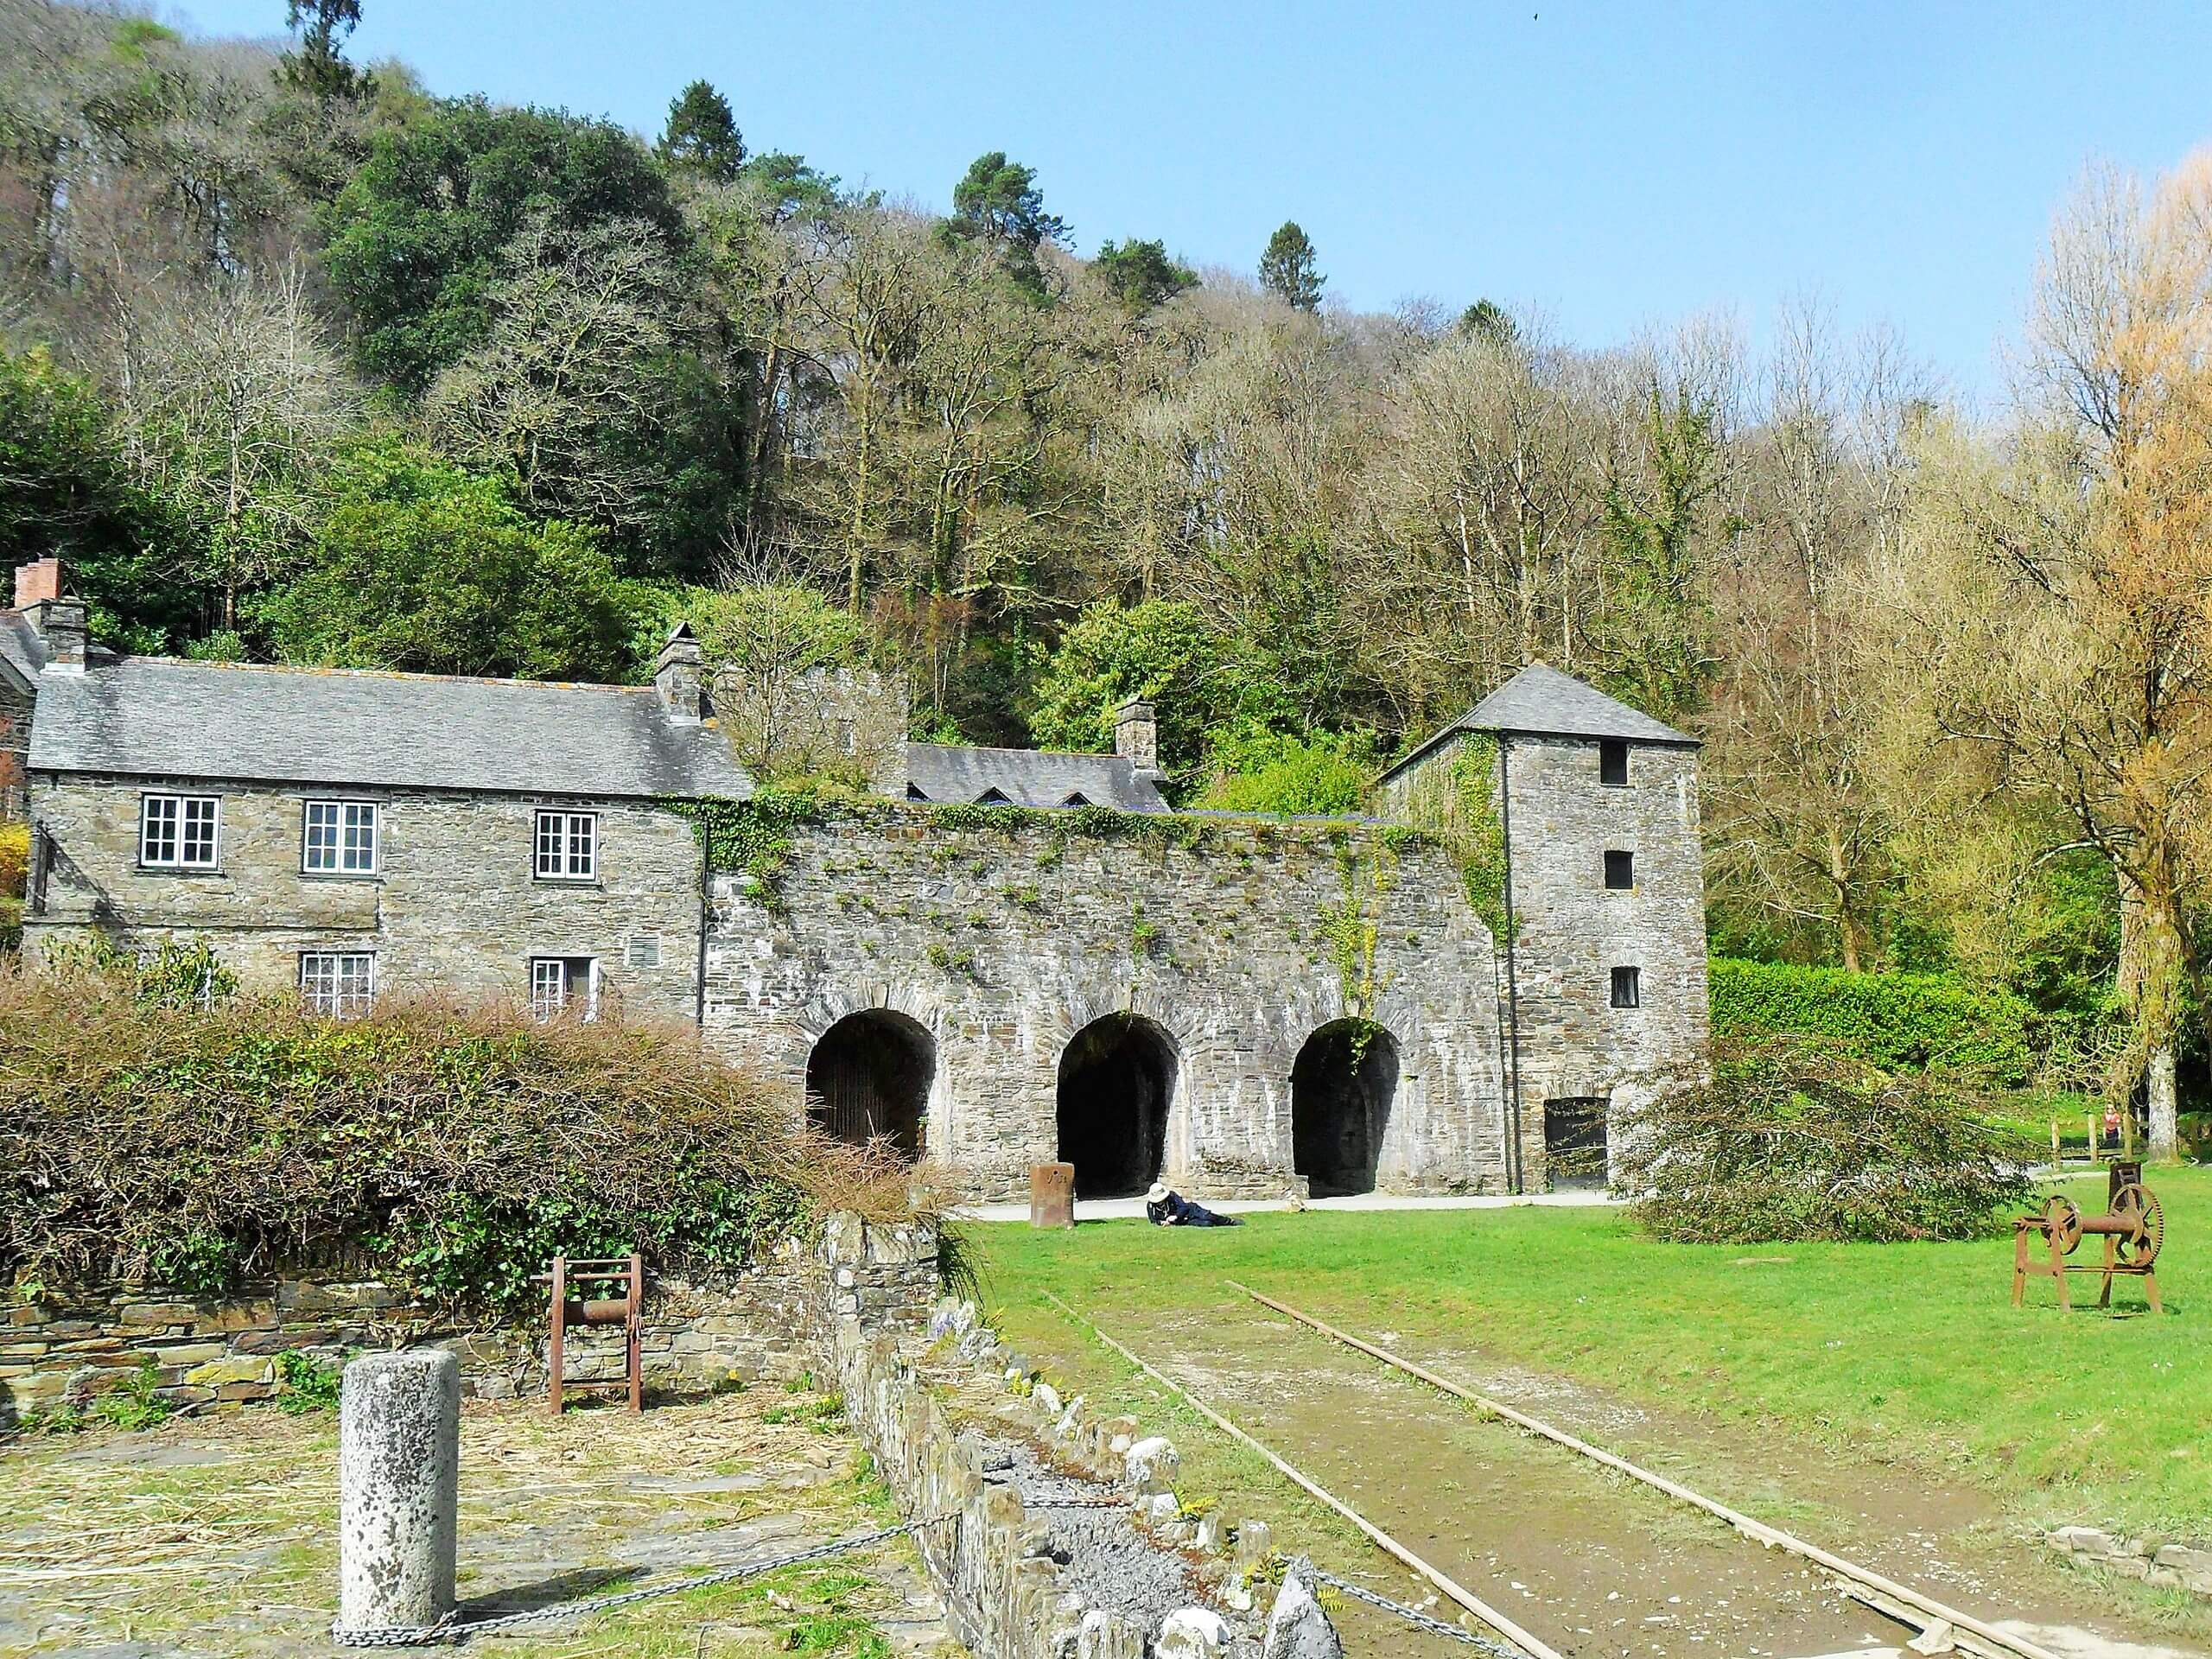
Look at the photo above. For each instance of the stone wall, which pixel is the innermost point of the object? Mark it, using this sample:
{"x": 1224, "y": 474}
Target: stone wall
{"x": 454, "y": 902}
{"x": 15, "y": 751}
{"x": 766, "y": 1323}
{"x": 1003, "y": 934}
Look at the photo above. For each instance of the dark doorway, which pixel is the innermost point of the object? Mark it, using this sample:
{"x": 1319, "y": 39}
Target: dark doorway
{"x": 869, "y": 1079}
{"x": 1117, "y": 1077}
{"x": 1574, "y": 1141}
{"x": 1340, "y": 1094}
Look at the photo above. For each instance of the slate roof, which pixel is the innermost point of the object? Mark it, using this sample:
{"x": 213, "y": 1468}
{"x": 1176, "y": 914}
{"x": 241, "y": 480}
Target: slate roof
{"x": 23, "y": 653}
{"x": 1543, "y": 701}
{"x": 155, "y": 717}
{"x": 952, "y": 776}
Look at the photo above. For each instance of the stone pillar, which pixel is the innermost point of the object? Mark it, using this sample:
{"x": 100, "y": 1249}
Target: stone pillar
{"x": 399, "y": 1485}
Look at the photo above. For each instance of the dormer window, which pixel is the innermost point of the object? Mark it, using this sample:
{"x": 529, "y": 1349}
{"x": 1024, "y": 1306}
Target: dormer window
{"x": 1612, "y": 762}
{"x": 1077, "y": 799}
{"x": 914, "y": 792}
{"x": 992, "y": 798}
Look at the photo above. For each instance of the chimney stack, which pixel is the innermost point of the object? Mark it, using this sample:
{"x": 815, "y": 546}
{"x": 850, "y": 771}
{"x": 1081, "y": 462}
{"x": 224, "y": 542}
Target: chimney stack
{"x": 1136, "y": 737}
{"x": 677, "y": 674}
{"x": 57, "y": 617}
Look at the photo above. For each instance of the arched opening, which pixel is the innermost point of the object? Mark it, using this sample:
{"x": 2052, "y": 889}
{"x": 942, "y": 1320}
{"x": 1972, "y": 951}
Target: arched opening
{"x": 1340, "y": 1094}
{"x": 869, "y": 1077}
{"x": 1117, "y": 1078}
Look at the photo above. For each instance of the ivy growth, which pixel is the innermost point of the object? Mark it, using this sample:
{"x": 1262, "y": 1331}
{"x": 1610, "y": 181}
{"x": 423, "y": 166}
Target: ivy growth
{"x": 1455, "y": 804}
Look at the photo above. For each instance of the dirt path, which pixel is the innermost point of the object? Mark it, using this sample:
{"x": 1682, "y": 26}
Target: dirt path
{"x": 1596, "y": 1564}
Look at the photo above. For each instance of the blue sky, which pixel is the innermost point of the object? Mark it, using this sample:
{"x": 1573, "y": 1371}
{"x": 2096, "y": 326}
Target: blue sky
{"x": 1612, "y": 166}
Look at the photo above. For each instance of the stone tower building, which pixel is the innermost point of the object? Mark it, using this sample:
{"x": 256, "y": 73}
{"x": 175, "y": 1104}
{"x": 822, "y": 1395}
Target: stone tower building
{"x": 999, "y": 957}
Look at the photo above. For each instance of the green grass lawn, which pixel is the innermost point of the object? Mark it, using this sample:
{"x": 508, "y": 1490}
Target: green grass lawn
{"x": 1897, "y": 1352}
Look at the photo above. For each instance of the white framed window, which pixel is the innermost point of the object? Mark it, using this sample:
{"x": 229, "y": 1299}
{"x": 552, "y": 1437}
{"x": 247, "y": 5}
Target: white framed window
{"x": 561, "y": 985}
{"x": 177, "y": 832}
{"x": 338, "y": 983}
{"x": 339, "y": 838}
{"x": 566, "y": 846}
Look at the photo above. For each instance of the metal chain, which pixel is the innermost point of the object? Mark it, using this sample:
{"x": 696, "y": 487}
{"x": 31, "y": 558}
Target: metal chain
{"x": 1419, "y": 1619}
{"x": 451, "y": 1629}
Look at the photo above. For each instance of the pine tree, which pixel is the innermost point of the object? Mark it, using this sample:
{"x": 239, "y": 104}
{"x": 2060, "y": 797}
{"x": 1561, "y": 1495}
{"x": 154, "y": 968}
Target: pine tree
{"x": 1288, "y": 268}
{"x": 702, "y": 134}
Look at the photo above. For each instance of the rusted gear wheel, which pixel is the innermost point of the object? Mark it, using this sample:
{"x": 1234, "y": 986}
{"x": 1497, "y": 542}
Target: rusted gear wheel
{"x": 2062, "y": 1219}
{"x": 2140, "y": 1205}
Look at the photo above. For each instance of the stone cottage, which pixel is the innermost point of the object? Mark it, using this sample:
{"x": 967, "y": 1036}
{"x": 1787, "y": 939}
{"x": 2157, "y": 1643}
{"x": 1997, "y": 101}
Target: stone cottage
{"x": 1000, "y": 958}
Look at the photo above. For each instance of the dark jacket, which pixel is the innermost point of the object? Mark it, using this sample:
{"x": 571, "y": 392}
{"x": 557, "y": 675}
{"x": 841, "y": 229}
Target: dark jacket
{"x": 1176, "y": 1211}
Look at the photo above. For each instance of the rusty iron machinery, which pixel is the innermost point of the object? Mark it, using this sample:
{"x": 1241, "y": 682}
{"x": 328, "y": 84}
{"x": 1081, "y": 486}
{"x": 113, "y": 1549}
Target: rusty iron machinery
{"x": 2132, "y": 1227}
{"x": 624, "y": 1274}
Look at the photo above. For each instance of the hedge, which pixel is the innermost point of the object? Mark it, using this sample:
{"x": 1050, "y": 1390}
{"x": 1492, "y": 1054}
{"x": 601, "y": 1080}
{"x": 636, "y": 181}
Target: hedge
{"x": 154, "y": 1127}
{"x": 1895, "y": 1021}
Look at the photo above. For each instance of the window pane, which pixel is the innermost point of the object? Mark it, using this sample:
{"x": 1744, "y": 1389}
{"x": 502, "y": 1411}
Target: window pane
{"x": 548, "y": 986}
{"x": 197, "y": 845}
{"x": 548, "y": 843}
{"x": 581, "y": 847}
{"x": 158, "y": 830}
{"x": 321, "y": 837}
{"x": 358, "y": 849}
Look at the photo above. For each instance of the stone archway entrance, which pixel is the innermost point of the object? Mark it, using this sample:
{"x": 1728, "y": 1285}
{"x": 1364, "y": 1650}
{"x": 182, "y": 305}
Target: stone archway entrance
{"x": 1117, "y": 1080}
{"x": 1341, "y": 1091}
{"x": 869, "y": 1079}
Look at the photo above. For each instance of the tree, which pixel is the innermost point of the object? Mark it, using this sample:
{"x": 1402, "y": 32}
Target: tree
{"x": 1486, "y": 320}
{"x": 1255, "y": 769}
{"x": 421, "y": 566}
{"x": 416, "y": 235}
{"x": 319, "y": 67}
{"x": 1141, "y": 275}
{"x": 1290, "y": 270}
{"x": 997, "y": 204}
{"x": 2054, "y": 646}
{"x": 788, "y": 673}
{"x": 702, "y": 136}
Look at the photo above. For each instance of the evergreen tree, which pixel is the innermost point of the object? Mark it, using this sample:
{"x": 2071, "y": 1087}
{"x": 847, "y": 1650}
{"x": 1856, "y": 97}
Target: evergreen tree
{"x": 1289, "y": 270}
{"x": 319, "y": 68}
{"x": 1141, "y": 275}
{"x": 702, "y": 134}
{"x": 1487, "y": 320}
{"x": 999, "y": 205}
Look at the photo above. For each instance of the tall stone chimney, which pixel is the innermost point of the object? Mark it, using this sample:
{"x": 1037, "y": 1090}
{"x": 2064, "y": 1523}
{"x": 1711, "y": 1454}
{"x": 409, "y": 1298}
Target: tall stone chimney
{"x": 677, "y": 674}
{"x": 1136, "y": 737}
{"x": 55, "y": 615}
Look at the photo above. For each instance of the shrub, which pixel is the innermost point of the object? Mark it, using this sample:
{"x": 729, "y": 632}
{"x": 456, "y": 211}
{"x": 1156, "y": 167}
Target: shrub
{"x": 1783, "y": 1143}
{"x": 451, "y": 1147}
{"x": 1894, "y": 1021}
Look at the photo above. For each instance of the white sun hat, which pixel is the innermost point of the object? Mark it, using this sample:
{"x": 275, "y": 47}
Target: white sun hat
{"x": 1159, "y": 1194}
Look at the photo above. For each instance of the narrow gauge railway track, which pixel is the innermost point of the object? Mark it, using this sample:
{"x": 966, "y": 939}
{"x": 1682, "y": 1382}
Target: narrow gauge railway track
{"x": 1588, "y": 1564}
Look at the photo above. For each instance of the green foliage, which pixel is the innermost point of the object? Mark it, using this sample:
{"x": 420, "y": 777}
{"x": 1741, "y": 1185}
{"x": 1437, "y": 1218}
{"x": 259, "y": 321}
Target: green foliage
{"x": 133, "y": 1403}
{"x": 1290, "y": 270}
{"x": 453, "y": 1147}
{"x": 1895, "y": 1021}
{"x": 306, "y": 1385}
{"x": 415, "y": 236}
{"x": 171, "y": 975}
{"x": 421, "y": 566}
{"x": 1780, "y": 1142}
{"x": 1163, "y": 652}
{"x": 1141, "y": 275}
{"x": 67, "y": 488}
{"x": 1486, "y": 320}
{"x": 998, "y": 206}
{"x": 1256, "y": 770}
{"x": 702, "y": 134}
{"x": 754, "y": 837}
{"x": 1454, "y": 800}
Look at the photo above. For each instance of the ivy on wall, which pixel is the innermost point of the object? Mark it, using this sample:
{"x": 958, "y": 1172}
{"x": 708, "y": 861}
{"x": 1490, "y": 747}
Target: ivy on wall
{"x": 1456, "y": 803}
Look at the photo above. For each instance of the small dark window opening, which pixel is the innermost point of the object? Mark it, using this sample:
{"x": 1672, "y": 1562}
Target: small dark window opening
{"x": 993, "y": 797}
{"x": 914, "y": 792}
{"x": 1627, "y": 987}
{"x": 1612, "y": 763}
{"x": 1620, "y": 869}
{"x": 1077, "y": 799}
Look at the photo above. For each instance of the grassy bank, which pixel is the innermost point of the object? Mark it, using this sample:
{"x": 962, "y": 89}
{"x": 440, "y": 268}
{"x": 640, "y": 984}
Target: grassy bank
{"x": 1906, "y": 1353}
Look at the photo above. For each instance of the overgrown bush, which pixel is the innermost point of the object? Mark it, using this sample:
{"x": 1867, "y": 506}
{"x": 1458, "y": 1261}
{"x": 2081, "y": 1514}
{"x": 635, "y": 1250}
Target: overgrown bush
{"x": 452, "y": 1147}
{"x": 1782, "y": 1143}
{"x": 1895, "y": 1021}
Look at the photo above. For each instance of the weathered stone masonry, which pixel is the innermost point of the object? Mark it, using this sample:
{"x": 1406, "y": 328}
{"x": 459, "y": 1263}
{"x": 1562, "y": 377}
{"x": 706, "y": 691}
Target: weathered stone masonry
{"x": 1003, "y": 941}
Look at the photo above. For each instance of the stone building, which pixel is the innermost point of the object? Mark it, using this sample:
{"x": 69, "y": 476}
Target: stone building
{"x": 1000, "y": 958}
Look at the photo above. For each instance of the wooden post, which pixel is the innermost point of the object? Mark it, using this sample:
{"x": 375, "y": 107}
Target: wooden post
{"x": 2057, "y": 1157}
{"x": 560, "y": 1317}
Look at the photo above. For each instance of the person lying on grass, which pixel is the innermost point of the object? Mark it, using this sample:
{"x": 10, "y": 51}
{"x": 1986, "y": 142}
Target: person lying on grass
{"x": 1163, "y": 1208}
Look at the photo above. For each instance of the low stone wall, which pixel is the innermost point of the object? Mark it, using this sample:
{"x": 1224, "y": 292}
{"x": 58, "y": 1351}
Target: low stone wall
{"x": 2155, "y": 1560}
{"x": 764, "y": 1323}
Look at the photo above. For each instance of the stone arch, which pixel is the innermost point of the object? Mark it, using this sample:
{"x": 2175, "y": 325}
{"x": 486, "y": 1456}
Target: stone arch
{"x": 1117, "y": 1082}
{"x": 1342, "y": 1089}
{"x": 868, "y": 1077}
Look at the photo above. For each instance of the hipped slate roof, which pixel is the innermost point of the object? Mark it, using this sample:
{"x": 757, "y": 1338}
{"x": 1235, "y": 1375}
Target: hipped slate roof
{"x": 1543, "y": 701}
{"x": 950, "y": 776}
{"x": 152, "y": 717}
{"x": 21, "y": 651}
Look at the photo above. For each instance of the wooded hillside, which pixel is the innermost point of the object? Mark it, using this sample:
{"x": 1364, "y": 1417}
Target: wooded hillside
{"x": 303, "y": 364}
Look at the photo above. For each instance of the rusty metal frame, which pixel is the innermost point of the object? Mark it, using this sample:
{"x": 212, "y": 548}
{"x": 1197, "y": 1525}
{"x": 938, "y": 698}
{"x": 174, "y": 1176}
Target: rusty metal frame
{"x": 626, "y": 1310}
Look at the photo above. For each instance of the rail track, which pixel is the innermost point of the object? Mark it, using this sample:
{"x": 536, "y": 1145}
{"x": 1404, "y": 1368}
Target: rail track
{"x": 1589, "y": 1529}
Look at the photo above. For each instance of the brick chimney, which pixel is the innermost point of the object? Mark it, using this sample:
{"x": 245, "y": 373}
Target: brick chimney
{"x": 1136, "y": 737}
{"x": 677, "y": 673}
{"x": 55, "y": 615}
